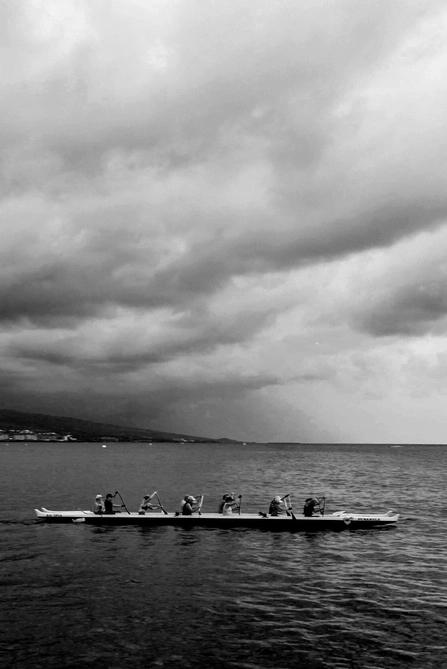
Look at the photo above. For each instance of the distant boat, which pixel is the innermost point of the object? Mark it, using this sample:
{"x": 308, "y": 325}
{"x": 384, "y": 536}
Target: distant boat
{"x": 104, "y": 445}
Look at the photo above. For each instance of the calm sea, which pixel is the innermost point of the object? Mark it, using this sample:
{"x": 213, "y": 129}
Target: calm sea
{"x": 131, "y": 597}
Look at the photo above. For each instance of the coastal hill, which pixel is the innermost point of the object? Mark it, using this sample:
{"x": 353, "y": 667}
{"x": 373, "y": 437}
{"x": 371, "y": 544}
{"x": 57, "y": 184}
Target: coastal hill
{"x": 14, "y": 423}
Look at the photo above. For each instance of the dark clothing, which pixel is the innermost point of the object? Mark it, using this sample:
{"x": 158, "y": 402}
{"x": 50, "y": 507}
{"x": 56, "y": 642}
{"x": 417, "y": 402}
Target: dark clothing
{"x": 187, "y": 509}
{"x": 309, "y": 506}
{"x": 108, "y": 506}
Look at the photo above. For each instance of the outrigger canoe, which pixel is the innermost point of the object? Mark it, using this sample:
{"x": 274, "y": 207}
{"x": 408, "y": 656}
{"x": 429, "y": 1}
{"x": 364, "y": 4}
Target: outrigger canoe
{"x": 339, "y": 520}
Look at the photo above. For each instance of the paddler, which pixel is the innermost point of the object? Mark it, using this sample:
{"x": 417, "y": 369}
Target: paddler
{"x": 146, "y": 505}
{"x": 276, "y": 507}
{"x": 98, "y": 506}
{"x": 109, "y": 506}
{"x": 189, "y": 505}
{"x": 309, "y": 506}
{"x": 228, "y": 504}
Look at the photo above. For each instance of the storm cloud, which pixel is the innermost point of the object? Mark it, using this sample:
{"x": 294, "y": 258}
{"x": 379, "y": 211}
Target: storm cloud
{"x": 225, "y": 216}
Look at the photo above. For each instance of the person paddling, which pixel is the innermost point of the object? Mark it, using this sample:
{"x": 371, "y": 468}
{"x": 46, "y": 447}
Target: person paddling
{"x": 228, "y": 504}
{"x": 146, "y": 505}
{"x": 109, "y": 506}
{"x": 276, "y": 507}
{"x": 98, "y": 506}
{"x": 310, "y": 505}
{"x": 189, "y": 505}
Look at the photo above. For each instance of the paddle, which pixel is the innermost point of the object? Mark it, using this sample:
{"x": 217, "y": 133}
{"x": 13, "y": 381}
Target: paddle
{"x": 160, "y": 504}
{"x": 288, "y": 504}
{"x": 117, "y": 492}
{"x": 322, "y": 506}
{"x": 199, "y": 508}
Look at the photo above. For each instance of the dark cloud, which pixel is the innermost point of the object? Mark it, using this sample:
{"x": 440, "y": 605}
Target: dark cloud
{"x": 244, "y": 106}
{"x": 164, "y": 165}
{"x": 121, "y": 270}
{"x": 413, "y": 310}
{"x": 149, "y": 405}
{"x": 199, "y": 332}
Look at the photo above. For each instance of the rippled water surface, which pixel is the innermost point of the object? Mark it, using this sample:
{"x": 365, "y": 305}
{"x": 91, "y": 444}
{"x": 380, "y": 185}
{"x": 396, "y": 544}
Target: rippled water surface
{"x": 117, "y": 597}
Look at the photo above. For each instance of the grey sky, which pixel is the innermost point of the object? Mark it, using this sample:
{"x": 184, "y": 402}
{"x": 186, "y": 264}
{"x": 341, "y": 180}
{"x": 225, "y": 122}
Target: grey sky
{"x": 226, "y": 218}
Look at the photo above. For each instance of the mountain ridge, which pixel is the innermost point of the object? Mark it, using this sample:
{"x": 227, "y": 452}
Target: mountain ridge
{"x": 86, "y": 430}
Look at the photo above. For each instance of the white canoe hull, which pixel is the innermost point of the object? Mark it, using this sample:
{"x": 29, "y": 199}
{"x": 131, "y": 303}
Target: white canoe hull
{"x": 339, "y": 520}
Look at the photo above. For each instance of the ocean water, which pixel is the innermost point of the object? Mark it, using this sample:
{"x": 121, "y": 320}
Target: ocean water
{"x": 130, "y": 597}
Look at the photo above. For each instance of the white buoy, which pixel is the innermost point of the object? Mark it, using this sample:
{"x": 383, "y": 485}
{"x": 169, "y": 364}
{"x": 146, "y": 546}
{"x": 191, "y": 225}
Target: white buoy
{"x": 104, "y": 445}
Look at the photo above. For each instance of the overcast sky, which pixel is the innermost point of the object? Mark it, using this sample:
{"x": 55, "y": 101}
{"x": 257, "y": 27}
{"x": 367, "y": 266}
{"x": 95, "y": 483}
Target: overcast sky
{"x": 226, "y": 218}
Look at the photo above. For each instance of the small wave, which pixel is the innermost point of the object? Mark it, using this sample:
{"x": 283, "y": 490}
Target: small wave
{"x": 17, "y": 558}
